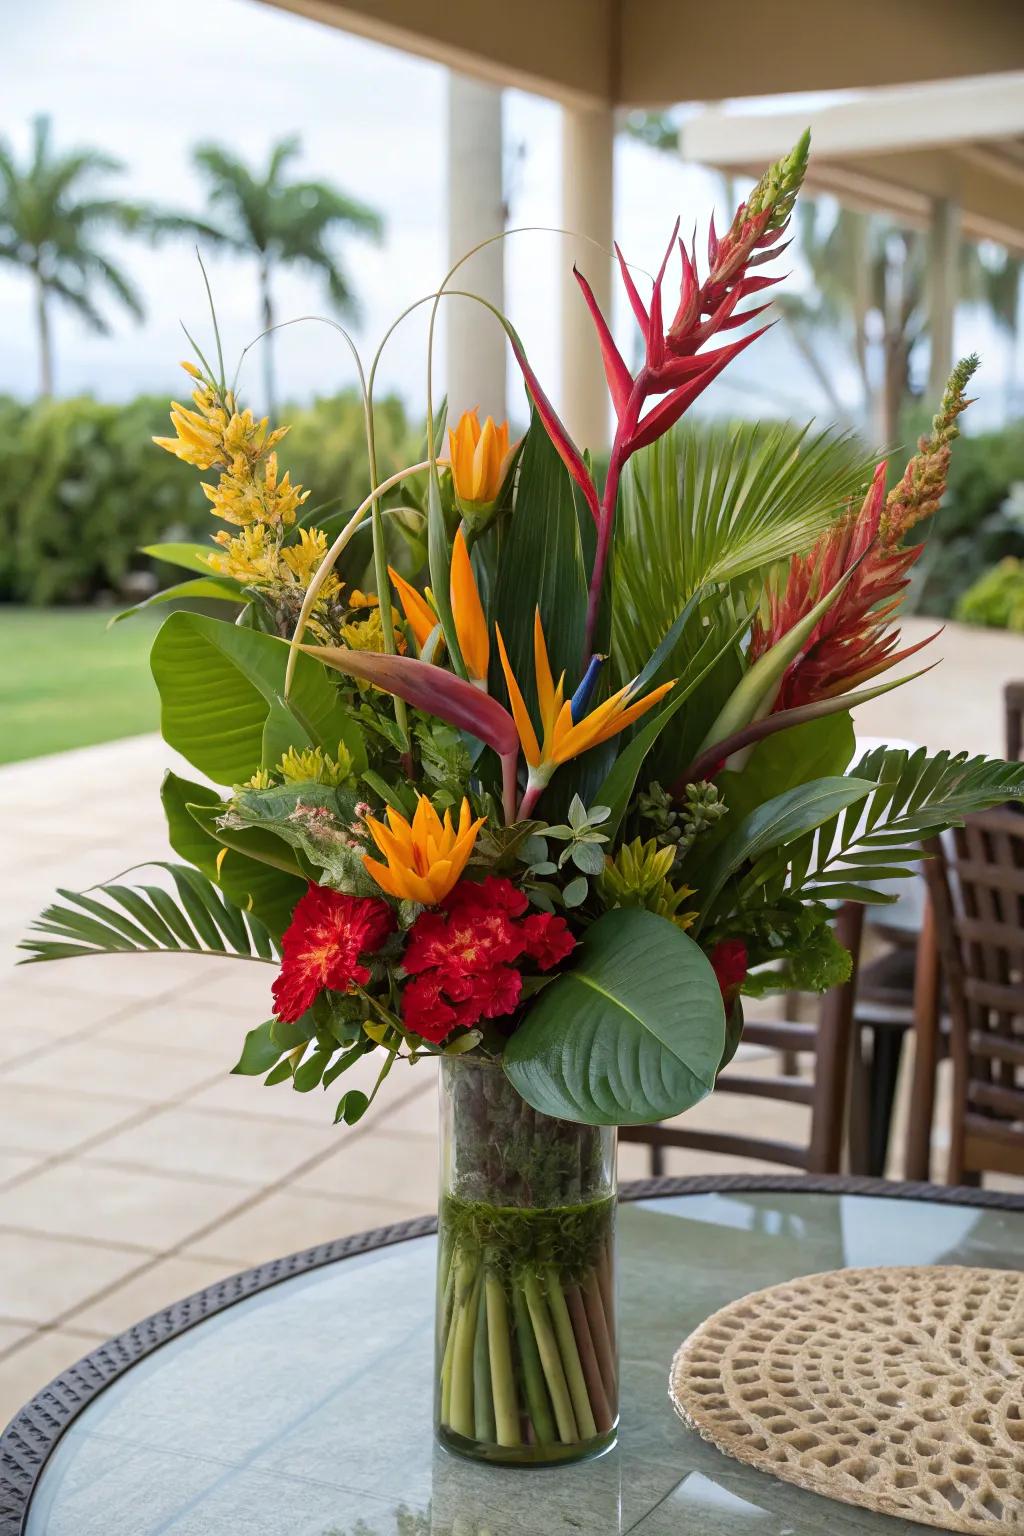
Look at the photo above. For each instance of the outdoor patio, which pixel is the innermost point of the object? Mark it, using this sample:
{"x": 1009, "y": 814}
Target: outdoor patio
{"x": 134, "y": 1169}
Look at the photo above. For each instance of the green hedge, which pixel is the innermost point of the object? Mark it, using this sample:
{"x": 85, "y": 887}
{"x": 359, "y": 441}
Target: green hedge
{"x": 82, "y": 486}
{"x": 974, "y": 529}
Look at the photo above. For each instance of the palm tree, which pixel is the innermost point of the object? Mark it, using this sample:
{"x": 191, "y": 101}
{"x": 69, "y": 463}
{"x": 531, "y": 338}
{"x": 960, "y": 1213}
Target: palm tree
{"x": 281, "y": 222}
{"x": 53, "y": 211}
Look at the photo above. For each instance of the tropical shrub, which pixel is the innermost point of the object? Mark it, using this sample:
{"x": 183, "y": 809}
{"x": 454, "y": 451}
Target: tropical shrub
{"x": 83, "y": 490}
{"x": 996, "y": 599}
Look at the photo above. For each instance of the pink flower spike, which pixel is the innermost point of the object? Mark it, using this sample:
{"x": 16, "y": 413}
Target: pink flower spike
{"x": 620, "y": 380}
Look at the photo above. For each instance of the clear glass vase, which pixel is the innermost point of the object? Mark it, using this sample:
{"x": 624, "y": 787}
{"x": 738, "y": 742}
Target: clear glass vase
{"x": 527, "y": 1364}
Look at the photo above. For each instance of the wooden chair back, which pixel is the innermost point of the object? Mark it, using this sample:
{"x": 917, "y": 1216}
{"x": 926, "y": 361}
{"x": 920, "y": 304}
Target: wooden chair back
{"x": 1013, "y": 705}
{"x": 976, "y": 879}
{"x": 829, "y": 1040}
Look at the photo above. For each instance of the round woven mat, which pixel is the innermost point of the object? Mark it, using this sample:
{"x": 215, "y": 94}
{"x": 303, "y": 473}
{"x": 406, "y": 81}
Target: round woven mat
{"x": 901, "y": 1390}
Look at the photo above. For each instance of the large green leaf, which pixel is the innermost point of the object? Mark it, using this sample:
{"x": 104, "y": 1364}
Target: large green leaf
{"x": 783, "y": 819}
{"x": 192, "y": 557}
{"x": 201, "y": 587}
{"x": 817, "y": 749}
{"x": 218, "y": 683}
{"x": 633, "y": 1033}
{"x": 255, "y": 870}
{"x": 541, "y": 566}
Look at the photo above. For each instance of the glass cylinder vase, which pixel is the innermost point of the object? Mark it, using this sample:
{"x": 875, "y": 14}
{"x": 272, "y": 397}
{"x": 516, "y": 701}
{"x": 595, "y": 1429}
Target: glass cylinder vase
{"x": 526, "y": 1361}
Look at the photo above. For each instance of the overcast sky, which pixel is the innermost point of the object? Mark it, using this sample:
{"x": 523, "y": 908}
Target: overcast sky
{"x": 146, "y": 80}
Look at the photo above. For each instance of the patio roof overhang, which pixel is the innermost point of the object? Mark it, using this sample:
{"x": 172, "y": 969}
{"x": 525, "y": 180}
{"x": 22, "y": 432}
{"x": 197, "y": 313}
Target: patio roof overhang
{"x": 652, "y": 53}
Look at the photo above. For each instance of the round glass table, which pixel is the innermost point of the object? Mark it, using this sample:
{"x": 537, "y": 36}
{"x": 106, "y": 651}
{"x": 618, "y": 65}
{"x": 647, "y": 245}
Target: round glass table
{"x": 295, "y": 1400}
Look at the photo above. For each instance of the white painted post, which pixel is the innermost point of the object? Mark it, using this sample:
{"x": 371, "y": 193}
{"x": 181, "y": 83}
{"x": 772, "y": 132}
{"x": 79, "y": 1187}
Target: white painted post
{"x": 587, "y": 191}
{"x": 476, "y": 210}
{"x": 943, "y": 289}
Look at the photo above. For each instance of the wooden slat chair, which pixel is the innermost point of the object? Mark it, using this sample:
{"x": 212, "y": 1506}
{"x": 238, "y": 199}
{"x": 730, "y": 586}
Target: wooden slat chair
{"x": 977, "y": 887}
{"x": 1013, "y": 704}
{"x": 829, "y": 1041}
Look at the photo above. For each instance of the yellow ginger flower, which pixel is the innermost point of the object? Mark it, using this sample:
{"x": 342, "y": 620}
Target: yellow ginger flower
{"x": 368, "y": 634}
{"x": 242, "y": 496}
{"x": 247, "y": 558}
{"x": 215, "y": 434}
{"x": 425, "y": 857}
{"x": 479, "y": 457}
{"x": 303, "y": 559}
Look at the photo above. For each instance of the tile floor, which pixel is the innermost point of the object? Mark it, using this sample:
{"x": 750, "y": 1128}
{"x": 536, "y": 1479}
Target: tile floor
{"x": 133, "y": 1168}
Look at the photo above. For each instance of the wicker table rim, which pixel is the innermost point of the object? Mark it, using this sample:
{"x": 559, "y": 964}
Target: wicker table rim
{"x": 32, "y": 1435}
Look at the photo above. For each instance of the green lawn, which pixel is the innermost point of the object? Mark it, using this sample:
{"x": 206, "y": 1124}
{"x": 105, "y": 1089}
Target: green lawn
{"x": 68, "y": 681}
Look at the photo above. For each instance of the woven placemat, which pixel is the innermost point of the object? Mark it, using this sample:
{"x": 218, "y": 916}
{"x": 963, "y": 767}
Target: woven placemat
{"x": 901, "y": 1390}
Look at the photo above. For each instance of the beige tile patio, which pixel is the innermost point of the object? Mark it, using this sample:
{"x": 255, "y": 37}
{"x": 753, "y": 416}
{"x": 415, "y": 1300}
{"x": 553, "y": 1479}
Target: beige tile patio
{"x": 34, "y": 1363}
{"x": 243, "y": 1149}
{"x": 117, "y": 1205}
{"x": 14, "y": 1164}
{"x": 11, "y": 1334}
{"x": 182, "y": 1023}
{"x": 49, "y": 1120}
{"x": 290, "y": 1220}
{"x": 149, "y": 1291}
{"x": 49, "y": 995}
{"x": 379, "y": 1165}
{"x": 42, "y": 1276}
{"x": 114, "y": 1070}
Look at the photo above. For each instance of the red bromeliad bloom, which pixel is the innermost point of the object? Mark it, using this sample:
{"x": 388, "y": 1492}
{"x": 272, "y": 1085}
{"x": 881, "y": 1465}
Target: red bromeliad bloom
{"x": 729, "y": 963}
{"x": 322, "y": 947}
{"x": 853, "y": 643}
{"x": 461, "y": 959}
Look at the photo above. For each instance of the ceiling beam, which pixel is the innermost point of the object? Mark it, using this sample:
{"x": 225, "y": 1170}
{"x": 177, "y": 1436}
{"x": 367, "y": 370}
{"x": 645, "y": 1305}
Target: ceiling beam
{"x": 684, "y": 50}
{"x": 650, "y": 53}
{"x": 559, "y": 48}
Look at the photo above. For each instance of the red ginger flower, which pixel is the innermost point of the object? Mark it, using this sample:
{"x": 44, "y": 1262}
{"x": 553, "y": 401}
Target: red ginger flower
{"x": 322, "y": 947}
{"x": 729, "y": 963}
{"x": 852, "y": 643}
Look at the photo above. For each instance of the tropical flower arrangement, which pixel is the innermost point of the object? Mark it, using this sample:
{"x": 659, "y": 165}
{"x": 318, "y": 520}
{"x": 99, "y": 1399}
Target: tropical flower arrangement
{"x": 539, "y": 770}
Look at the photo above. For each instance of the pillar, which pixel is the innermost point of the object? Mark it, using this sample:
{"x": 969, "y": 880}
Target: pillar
{"x": 587, "y": 139}
{"x": 476, "y": 210}
{"x": 943, "y": 289}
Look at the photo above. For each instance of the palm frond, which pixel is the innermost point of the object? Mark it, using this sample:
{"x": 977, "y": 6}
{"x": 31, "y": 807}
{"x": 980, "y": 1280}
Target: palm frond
{"x": 196, "y": 918}
{"x": 710, "y": 505}
{"x": 878, "y": 840}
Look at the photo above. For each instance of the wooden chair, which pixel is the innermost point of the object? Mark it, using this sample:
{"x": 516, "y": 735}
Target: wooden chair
{"x": 1013, "y": 704}
{"x": 977, "y": 889}
{"x": 826, "y": 1091}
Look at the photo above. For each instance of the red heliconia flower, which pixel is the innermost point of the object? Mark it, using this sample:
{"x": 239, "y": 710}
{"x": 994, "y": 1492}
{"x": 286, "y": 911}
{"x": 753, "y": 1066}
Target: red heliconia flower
{"x": 853, "y": 643}
{"x": 674, "y": 371}
{"x": 323, "y": 945}
{"x": 729, "y": 963}
{"x": 548, "y": 939}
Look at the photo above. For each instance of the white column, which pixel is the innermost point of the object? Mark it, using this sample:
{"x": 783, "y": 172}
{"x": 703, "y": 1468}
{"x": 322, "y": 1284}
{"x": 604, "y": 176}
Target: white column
{"x": 475, "y": 341}
{"x": 587, "y": 137}
{"x": 943, "y": 289}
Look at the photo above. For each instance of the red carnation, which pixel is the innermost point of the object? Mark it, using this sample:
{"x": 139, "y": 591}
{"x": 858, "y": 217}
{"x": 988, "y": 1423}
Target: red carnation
{"x": 425, "y": 1011}
{"x": 491, "y": 894}
{"x": 468, "y": 939}
{"x": 548, "y": 939}
{"x": 729, "y": 963}
{"x": 322, "y": 945}
{"x": 488, "y": 995}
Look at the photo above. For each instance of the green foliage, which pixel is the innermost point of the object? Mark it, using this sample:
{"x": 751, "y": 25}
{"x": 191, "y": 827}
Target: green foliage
{"x": 83, "y": 490}
{"x": 996, "y": 599}
{"x": 126, "y": 919}
{"x": 633, "y": 1033}
{"x": 800, "y": 939}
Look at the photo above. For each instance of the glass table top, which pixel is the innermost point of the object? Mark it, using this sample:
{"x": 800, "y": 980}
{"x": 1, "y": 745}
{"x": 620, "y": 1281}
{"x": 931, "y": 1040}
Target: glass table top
{"x": 306, "y": 1409}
